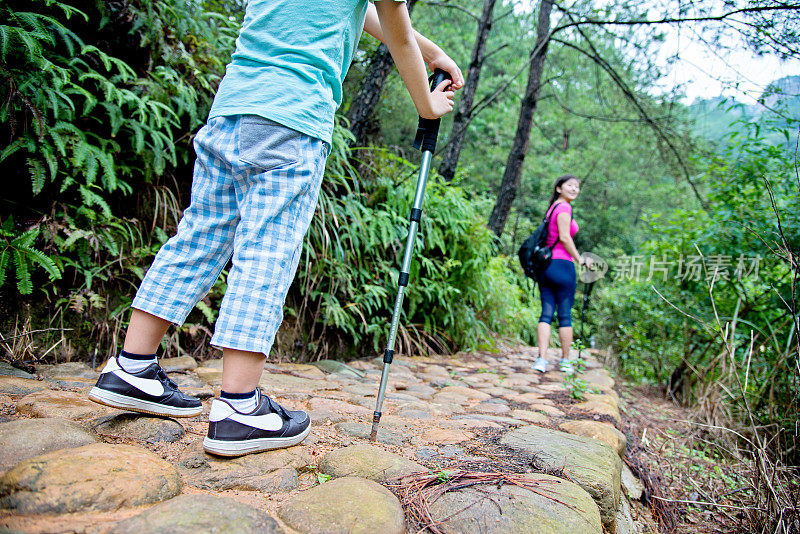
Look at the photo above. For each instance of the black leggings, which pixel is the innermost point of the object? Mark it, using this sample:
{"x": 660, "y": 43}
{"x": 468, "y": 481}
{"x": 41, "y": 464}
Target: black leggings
{"x": 557, "y": 288}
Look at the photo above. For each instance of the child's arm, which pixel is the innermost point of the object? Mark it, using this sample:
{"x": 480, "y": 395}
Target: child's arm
{"x": 400, "y": 38}
{"x": 431, "y": 54}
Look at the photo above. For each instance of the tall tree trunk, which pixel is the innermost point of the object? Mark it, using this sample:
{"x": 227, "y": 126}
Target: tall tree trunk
{"x": 363, "y": 105}
{"x": 447, "y": 169}
{"x": 513, "y": 171}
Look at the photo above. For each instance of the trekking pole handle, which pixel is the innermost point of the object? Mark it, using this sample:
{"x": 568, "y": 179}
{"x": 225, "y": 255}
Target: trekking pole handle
{"x": 428, "y": 129}
{"x": 438, "y": 77}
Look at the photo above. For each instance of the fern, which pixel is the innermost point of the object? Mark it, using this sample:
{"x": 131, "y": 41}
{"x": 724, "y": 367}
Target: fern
{"x": 18, "y": 249}
{"x": 37, "y": 173}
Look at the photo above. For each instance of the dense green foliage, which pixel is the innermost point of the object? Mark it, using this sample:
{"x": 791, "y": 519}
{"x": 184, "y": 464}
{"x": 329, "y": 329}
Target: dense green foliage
{"x": 729, "y": 314}
{"x": 99, "y": 101}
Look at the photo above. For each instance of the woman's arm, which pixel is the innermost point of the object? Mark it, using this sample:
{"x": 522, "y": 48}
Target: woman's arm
{"x": 564, "y": 221}
{"x": 431, "y": 53}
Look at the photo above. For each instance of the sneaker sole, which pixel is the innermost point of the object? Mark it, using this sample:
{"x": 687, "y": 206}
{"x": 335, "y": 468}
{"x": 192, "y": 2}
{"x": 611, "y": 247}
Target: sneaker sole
{"x": 115, "y": 400}
{"x": 240, "y": 448}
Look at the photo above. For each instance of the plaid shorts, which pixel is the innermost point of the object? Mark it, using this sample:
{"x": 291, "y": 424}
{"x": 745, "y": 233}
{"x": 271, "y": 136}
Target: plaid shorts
{"x": 254, "y": 193}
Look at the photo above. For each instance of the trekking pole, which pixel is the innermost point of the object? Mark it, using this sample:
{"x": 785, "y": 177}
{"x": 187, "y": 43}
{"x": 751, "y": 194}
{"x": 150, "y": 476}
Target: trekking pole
{"x": 427, "y": 132}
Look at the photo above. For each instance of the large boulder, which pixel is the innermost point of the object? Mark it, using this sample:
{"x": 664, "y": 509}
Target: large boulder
{"x": 62, "y": 404}
{"x": 139, "y": 427}
{"x": 347, "y": 505}
{"x": 269, "y": 471}
{"x": 17, "y": 386}
{"x": 94, "y": 477}
{"x": 6, "y": 369}
{"x": 366, "y": 461}
{"x": 26, "y": 438}
{"x": 70, "y": 374}
{"x": 605, "y": 432}
{"x": 590, "y": 463}
{"x": 548, "y": 506}
{"x": 199, "y": 514}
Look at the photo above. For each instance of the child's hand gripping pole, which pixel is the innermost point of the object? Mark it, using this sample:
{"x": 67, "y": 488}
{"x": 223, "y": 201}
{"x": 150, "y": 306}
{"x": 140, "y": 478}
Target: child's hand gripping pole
{"x": 427, "y": 132}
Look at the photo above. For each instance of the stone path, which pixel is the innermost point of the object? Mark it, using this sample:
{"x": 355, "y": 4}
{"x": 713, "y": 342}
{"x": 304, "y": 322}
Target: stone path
{"x": 467, "y": 443}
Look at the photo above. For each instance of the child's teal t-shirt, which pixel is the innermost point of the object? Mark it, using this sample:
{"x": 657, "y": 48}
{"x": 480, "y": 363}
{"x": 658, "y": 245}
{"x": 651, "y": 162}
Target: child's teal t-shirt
{"x": 290, "y": 62}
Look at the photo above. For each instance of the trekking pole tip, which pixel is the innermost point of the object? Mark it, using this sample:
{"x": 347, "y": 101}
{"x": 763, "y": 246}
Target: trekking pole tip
{"x": 376, "y": 419}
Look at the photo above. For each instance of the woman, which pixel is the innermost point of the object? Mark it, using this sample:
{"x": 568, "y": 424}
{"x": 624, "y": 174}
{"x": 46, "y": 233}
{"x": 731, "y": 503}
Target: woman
{"x": 557, "y": 282}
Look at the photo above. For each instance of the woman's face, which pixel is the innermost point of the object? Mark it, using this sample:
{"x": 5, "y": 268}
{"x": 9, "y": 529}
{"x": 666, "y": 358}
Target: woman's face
{"x": 570, "y": 189}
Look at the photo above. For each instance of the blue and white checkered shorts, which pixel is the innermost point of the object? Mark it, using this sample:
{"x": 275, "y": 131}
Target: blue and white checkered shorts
{"x": 254, "y": 193}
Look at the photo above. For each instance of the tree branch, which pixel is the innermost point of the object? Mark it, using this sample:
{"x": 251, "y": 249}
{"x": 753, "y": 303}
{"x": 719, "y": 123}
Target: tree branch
{"x": 453, "y": 6}
{"x": 628, "y": 93}
{"x": 672, "y": 20}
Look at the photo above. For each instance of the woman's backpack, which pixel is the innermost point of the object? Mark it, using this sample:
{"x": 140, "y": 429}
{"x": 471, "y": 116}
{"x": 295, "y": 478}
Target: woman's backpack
{"x": 534, "y": 254}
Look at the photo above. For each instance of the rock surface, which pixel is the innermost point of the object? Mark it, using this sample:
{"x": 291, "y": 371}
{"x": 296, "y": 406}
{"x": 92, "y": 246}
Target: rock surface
{"x": 12, "y": 385}
{"x": 597, "y": 430}
{"x": 530, "y": 416}
{"x": 270, "y": 471}
{"x": 26, "y": 438}
{"x": 92, "y": 477}
{"x": 333, "y": 366}
{"x": 199, "y": 514}
{"x": 6, "y": 369}
{"x": 444, "y": 410}
{"x": 181, "y": 363}
{"x": 139, "y": 427}
{"x": 554, "y": 506}
{"x": 363, "y": 431}
{"x": 345, "y": 505}
{"x": 633, "y": 486}
{"x": 599, "y": 409}
{"x": 366, "y": 461}
{"x": 63, "y": 404}
{"x": 591, "y": 464}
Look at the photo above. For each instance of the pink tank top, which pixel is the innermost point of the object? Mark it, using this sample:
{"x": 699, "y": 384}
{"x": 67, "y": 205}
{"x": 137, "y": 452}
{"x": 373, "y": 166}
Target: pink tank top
{"x": 559, "y": 252}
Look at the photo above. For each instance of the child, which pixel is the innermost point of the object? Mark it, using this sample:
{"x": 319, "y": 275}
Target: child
{"x": 260, "y": 161}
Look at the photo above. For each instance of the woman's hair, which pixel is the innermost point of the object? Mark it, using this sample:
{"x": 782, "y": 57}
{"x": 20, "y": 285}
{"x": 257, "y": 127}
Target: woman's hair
{"x": 561, "y": 180}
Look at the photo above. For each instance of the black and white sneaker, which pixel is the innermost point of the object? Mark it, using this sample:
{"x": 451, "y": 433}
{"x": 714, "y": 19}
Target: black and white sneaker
{"x": 269, "y": 426}
{"x": 148, "y": 391}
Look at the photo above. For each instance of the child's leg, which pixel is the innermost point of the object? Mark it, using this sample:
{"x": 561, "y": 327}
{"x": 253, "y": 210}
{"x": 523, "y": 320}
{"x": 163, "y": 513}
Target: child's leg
{"x": 190, "y": 262}
{"x": 241, "y": 370}
{"x": 183, "y": 271}
{"x": 279, "y": 180}
{"x": 144, "y": 333}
